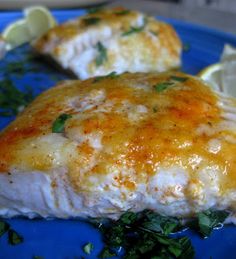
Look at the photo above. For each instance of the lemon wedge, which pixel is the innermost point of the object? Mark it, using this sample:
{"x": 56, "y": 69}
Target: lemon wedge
{"x": 36, "y": 22}
{"x": 212, "y": 75}
{"x": 222, "y": 76}
{"x": 16, "y": 34}
{"x": 39, "y": 20}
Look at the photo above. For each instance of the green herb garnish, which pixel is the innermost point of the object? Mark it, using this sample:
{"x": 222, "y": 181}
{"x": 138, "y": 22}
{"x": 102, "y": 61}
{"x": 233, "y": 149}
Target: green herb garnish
{"x": 91, "y": 21}
{"x": 38, "y": 257}
{"x": 15, "y": 67}
{"x": 159, "y": 87}
{"x": 112, "y": 75}
{"x": 179, "y": 79}
{"x": 155, "y": 33}
{"x": 102, "y": 54}
{"x": 106, "y": 253}
{"x": 145, "y": 235}
{"x": 209, "y": 219}
{"x": 20, "y": 67}
{"x": 59, "y": 123}
{"x": 186, "y": 47}
{"x": 4, "y": 227}
{"x": 157, "y": 223}
{"x": 12, "y": 100}
{"x": 128, "y": 218}
{"x": 155, "y": 109}
{"x": 134, "y": 29}
{"x": 122, "y": 12}
{"x": 162, "y": 86}
{"x": 88, "y": 248}
{"x": 14, "y": 238}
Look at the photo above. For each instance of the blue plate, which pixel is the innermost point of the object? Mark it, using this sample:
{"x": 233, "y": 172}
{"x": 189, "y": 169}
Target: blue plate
{"x": 65, "y": 238}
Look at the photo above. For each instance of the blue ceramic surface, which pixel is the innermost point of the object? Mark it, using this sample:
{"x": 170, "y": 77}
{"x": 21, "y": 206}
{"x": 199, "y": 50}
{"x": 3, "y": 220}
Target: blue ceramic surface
{"x": 64, "y": 239}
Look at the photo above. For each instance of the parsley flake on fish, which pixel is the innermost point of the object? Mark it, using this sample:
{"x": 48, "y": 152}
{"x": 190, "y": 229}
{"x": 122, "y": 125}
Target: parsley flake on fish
{"x": 102, "y": 54}
{"x": 59, "y": 124}
{"x": 112, "y": 75}
{"x": 91, "y": 21}
{"x": 179, "y": 78}
{"x": 122, "y": 12}
{"x": 135, "y": 29}
{"x": 160, "y": 87}
{"x": 155, "y": 33}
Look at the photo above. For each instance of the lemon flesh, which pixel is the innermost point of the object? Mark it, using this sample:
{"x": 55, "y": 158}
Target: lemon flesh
{"x": 222, "y": 76}
{"x": 212, "y": 75}
{"x": 16, "y": 34}
{"x": 39, "y": 20}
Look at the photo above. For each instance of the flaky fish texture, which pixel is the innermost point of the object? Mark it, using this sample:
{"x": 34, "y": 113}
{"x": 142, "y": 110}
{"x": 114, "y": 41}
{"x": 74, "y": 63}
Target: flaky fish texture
{"x": 164, "y": 142}
{"x": 112, "y": 40}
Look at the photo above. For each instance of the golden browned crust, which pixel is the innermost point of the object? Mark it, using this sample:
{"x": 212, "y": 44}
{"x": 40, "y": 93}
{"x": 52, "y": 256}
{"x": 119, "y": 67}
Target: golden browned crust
{"x": 152, "y": 46}
{"x": 165, "y": 134}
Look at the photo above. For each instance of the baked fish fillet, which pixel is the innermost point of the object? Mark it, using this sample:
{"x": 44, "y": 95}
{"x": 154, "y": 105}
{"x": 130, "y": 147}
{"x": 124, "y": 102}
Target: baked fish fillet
{"x": 164, "y": 142}
{"x": 112, "y": 40}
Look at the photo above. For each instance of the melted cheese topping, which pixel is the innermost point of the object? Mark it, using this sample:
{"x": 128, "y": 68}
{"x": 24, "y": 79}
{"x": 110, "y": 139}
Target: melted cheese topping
{"x": 126, "y": 130}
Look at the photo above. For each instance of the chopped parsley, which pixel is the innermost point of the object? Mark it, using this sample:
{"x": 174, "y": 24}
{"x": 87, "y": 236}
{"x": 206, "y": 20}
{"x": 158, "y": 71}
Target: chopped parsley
{"x": 186, "y": 47}
{"x": 91, "y": 21}
{"x": 106, "y": 253}
{"x": 122, "y": 12}
{"x": 149, "y": 235}
{"x": 112, "y": 75}
{"x": 38, "y": 257}
{"x": 134, "y": 29}
{"x": 20, "y": 67}
{"x": 59, "y": 124}
{"x": 155, "y": 109}
{"x": 162, "y": 86}
{"x": 155, "y": 33}
{"x": 15, "y": 67}
{"x": 12, "y": 100}
{"x": 145, "y": 235}
{"x": 4, "y": 227}
{"x": 208, "y": 220}
{"x": 14, "y": 238}
{"x": 178, "y": 78}
{"x": 88, "y": 248}
{"x": 157, "y": 223}
{"x": 102, "y": 54}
